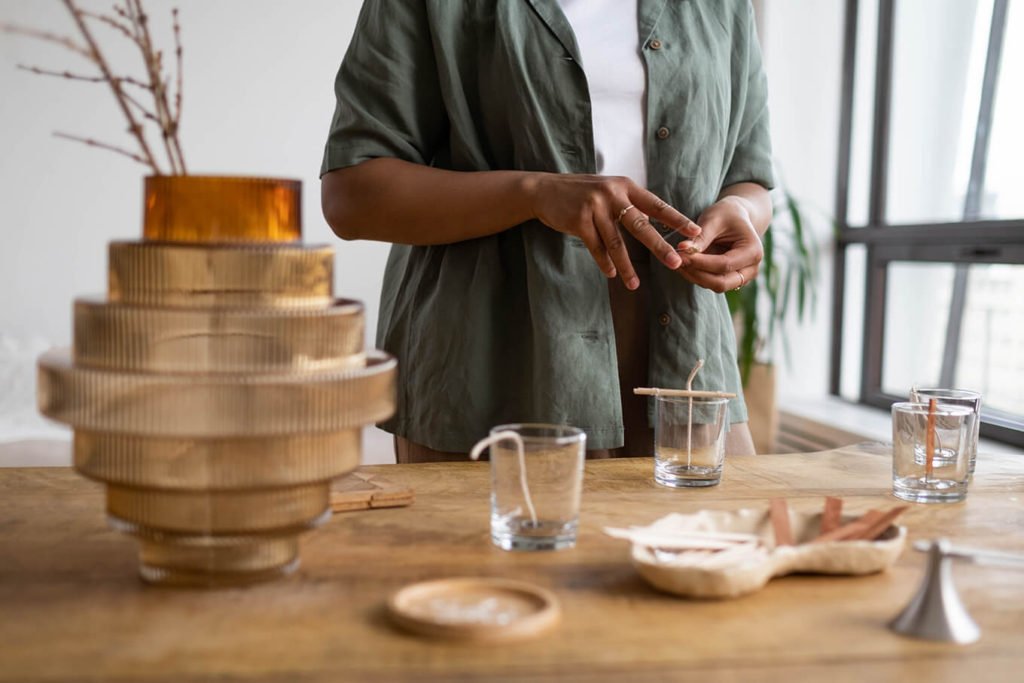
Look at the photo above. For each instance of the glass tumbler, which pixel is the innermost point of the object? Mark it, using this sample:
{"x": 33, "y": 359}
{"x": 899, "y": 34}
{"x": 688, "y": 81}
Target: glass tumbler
{"x": 930, "y": 451}
{"x": 956, "y": 397}
{"x": 536, "y": 482}
{"x": 689, "y": 440}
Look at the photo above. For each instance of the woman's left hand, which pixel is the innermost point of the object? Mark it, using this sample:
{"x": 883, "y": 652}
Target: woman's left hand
{"x": 728, "y": 252}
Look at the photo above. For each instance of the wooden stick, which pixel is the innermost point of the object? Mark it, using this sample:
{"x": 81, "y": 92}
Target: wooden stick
{"x": 852, "y": 529}
{"x": 883, "y": 523}
{"x": 681, "y": 539}
{"x": 929, "y": 441}
{"x": 681, "y": 393}
{"x": 832, "y": 515}
{"x": 779, "y": 512}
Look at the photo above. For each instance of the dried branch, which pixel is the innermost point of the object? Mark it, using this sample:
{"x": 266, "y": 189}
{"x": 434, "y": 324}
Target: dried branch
{"x": 178, "y": 58}
{"x": 130, "y": 21}
{"x": 39, "y": 71}
{"x": 141, "y": 108}
{"x": 154, "y": 66}
{"x": 48, "y": 37}
{"x": 102, "y": 145}
{"x": 133, "y": 125}
{"x": 109, "y": 21}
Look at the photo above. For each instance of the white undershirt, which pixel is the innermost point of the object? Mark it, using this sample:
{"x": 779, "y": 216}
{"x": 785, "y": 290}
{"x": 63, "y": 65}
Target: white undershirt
{"x": 608, "y": 38}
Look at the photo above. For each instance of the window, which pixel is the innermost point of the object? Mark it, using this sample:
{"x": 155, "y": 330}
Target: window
{"x": 929, "y": 277}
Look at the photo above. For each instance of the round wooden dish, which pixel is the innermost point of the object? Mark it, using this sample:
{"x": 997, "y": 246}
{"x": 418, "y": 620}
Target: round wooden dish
{"x": 474, "y": 609}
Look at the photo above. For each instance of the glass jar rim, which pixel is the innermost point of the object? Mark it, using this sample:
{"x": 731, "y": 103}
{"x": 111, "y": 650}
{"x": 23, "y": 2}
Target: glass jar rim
{"x": 941, "y": 409}
{"x": 702, "y": 400}
{"x": 942, "y": 393}
{"x": 540, "y": 432}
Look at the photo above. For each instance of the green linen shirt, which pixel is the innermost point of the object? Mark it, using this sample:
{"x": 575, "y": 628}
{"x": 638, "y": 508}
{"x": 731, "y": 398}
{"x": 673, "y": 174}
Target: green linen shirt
{"x": 516, "y": 327}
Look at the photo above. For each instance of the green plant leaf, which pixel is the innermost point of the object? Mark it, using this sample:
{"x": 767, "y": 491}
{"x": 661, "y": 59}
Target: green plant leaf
{"x": 786, "y": 287}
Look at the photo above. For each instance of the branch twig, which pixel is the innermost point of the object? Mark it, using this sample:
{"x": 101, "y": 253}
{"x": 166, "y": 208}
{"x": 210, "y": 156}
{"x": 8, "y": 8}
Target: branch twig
{"x": 128, "y": 19}
{"x": 152, "y": 60}
{"x": 71, "y": 76}
{"x": 141, "y": 107}
{"x": 39, "y": 71}
{"x": 133, "y": 125}
{"x": 109, "y": 21}
{"x": 48, "y": 37}
{"x": 102, "y": 145}
{"x": 176, "y": 119}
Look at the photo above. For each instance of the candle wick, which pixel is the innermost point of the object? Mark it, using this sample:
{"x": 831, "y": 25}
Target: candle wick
{"x": 689, "y": 417}
{"x": 520, "y": 454}
{"x": 929, "y": 441}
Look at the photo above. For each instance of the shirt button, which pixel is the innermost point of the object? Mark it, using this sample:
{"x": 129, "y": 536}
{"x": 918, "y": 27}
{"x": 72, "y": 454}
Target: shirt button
{"x": 654, "y": 44}
{"x": 664, "y": 319}
{"x": 663, "y": 133}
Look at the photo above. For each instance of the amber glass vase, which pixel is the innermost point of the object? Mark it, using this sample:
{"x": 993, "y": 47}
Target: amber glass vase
{"x": 222, "y": 209}
{"x": 219, "y": 386}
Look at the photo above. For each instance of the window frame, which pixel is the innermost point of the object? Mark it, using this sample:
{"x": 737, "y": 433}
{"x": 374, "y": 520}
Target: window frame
{"x": 961, "y": 243}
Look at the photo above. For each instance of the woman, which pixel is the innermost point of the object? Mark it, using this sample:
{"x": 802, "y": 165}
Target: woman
{"x": 519, "y": 152}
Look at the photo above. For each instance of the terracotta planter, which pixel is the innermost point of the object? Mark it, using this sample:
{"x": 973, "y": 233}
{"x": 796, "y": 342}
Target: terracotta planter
{"x": 759, "y": 393}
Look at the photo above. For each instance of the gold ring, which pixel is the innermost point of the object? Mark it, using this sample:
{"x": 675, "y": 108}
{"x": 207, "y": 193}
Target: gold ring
{"x": 743, "y": 280}
{"x": 622, "y": 213}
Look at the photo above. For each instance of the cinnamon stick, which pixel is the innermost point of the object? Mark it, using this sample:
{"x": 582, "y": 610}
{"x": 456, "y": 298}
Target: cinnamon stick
{"x": 778, "y": 510}
{"x": 851, "y": 530}
{"x": 883, "y": 523}
{"x": 929, "y": 440}
{"x": 832, "y": 515}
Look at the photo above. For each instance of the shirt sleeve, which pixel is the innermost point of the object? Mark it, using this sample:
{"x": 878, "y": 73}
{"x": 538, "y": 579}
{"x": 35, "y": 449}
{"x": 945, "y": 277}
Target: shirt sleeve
{"x": 388, "y": 94}
{"x": 752, "y": 156}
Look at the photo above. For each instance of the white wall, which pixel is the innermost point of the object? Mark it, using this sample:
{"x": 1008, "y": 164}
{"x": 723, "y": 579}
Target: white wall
{"x": 259, "y": 80}
{"x": 802, "y": 46}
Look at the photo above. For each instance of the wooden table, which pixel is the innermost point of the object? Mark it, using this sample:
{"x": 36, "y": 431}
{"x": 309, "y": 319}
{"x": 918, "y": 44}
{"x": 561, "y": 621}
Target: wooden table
{"x": 72, "y": 608}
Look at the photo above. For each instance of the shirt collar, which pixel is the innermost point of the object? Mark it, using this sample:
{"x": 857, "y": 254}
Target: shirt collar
{"x": 554, "y": 18}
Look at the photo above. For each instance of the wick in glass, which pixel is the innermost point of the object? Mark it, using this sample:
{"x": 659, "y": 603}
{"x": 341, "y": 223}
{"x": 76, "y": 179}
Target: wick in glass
{"x": 929, "y": 441}
{"x": 521, "y": 453}
{"x": 689, "y": 418}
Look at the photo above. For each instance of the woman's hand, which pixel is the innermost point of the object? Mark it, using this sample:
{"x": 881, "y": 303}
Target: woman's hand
{"x": 728, "y": 253}
{"x": 593, "y": 207}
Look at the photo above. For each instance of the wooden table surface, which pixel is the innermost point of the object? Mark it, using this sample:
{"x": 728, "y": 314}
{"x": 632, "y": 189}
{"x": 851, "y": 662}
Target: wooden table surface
{"x": 72, "y": 607}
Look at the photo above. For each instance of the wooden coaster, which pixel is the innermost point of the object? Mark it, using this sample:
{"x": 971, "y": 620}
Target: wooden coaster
{"x": 475, "y": 609}
{"x": 362, "y": 491}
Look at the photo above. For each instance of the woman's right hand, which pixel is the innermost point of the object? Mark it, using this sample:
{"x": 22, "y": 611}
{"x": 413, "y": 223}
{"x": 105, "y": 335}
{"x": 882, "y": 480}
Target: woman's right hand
{"x": 593, "y": 207}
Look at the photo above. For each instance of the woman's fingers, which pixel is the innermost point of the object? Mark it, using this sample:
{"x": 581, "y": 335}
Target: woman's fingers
{"x": 741, "y": 254}
{"x": 719, "y": 282}
{"x": 640, "y": 227}
{"x": 595, "y": 245}
{"x": 616, "y": 248}
{"x": 657, "y": 208}
{"x": 593, "y": 208}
